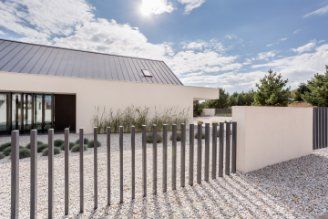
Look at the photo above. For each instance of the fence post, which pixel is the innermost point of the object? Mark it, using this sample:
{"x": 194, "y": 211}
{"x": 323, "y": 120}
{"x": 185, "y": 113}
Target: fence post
{"x": 164, "y": 157}
{"x": 121, "y": 164}
{"x": 207, "y": 151}
{"x": 33, "y": 194}
{"x": 50, "y": 171}
{"x": 183, "y": 155}
{"x": 191, "y": 153}
{"x": 234, "y": 147}
{"x": 174, "y": 156}
{"x": 199, "y": 153}
{"x": 154, "y": 159}
{"x": 221, "y": 149}
{"x": 214, "y": 148}
{"x": 14, "y": 174}
{"x": 81, "y": 152}
{"x": 108, "y": 167}
{"x": 144, "y": 160}
{"x": 133, "y": 163}
{"x": 314, "y": 128}
{"x": 66, "y": 166}
{"x": 95, "y": 169}
{"x": 227, "y": 158}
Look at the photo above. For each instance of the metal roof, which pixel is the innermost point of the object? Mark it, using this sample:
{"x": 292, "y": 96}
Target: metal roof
{"x": 19, "y": 57}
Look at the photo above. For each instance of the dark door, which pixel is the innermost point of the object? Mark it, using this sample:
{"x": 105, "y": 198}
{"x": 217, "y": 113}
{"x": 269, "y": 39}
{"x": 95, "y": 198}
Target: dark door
{"x": 65, "y": 112}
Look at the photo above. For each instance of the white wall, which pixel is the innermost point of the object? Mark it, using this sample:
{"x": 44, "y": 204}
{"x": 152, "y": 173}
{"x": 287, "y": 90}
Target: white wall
{"x": 92, "y": 93}
{"x": 269, "y": 135}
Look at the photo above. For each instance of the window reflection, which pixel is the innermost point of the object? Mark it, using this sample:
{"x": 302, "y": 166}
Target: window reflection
{"x": 3, "y": 112}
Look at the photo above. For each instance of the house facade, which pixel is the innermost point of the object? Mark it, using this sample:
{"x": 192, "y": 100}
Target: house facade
{"x": 43, "y": 86}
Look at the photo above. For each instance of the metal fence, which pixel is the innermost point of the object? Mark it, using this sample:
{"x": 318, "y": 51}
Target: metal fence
{"x": 320, "y": 127}
{"x": 223, "y": 149}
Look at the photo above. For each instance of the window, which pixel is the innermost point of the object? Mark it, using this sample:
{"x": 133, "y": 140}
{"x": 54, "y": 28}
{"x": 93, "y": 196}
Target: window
{"x": 146, "y": 73}
{"x": 3, "y": 112}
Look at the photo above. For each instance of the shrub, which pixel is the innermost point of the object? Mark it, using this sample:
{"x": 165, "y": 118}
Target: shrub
{"x": 2, "y": 155}
{"x": 179, "y": 136}
{"x": 7, "y": 151}
{"x": 71, "y": 144}
{"x": 24, "y": 153}
{"x": 91, "y": 143}
{"x": 57, "y": 150}
{"x": 149, "y": 138}
{"x": 5, "y": 145}
{"x": 38, "y": 144}
{"x": 85, "y": 141}
{"x": 58, "y": 143}
{"x": 203, "y": 135}
{"x": 42, "y": 147}
{"x": 76, "y": 148}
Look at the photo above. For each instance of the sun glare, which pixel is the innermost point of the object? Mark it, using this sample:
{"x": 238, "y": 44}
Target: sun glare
{"x": 154, "y": 7}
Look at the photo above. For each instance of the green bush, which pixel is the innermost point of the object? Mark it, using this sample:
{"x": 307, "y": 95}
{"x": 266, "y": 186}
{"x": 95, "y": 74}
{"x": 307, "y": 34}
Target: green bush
{"x": 85, "y": 141}
{"x": 179, "y": 136}
{"x": 90, "y": 144}
{"x": 71, "y": 144}
{"x": 203, "y": 135}
{"x": 5, "y": 145}
{"x": 7, "y": 151}
{"x": 58, "y": 143}
{"x": 56, "y": 151}
{"x": 38, "y": 144}
{"x": 2, "y": 155}
{"x": 149, "y": 138}
{"x": 42, "y": 147}
{"x": 24, "y": 153}
{"x": 76, "y": 148}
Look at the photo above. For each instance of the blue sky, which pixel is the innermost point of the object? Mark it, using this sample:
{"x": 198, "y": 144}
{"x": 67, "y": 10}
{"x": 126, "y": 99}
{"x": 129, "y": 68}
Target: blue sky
{"x": 214, "y": 43}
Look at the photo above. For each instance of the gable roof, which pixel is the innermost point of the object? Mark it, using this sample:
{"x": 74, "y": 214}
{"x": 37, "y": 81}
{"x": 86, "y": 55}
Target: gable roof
{"x": 19, "y": 57}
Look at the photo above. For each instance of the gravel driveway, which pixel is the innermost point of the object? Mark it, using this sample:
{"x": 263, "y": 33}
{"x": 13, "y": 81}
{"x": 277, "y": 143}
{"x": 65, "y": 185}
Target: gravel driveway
{"x": 293, "y": 189}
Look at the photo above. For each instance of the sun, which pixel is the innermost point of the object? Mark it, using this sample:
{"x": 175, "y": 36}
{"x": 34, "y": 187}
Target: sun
{"x": 146, "y": 8}
{"x": 155, "y": 7}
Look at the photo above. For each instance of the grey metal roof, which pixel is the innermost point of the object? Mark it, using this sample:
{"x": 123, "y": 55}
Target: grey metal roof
{"x": 19, "y": 57}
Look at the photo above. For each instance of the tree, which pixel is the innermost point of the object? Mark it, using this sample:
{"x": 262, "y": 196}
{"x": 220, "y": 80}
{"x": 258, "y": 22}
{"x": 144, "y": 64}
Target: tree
{"x": 317, "y": 93}
{"x": 272, "y": 90}
{"x": 222, "y": 102}
{"x": 300, "y": 91}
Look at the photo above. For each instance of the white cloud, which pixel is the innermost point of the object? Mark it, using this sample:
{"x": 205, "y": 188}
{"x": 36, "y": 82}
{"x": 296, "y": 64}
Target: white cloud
{"x": 266, "y": 55}
{"x": 305, "y": 48}
{"x": 149, "y": 7}
{"x": 201, "y": 45}
{"x": 231, "y": 37}
{"x": 321, "y": 11}
{"x": 191, "y": 4}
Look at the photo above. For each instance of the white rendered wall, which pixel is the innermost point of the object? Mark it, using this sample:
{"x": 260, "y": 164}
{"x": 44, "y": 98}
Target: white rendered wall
{"x": 269, "y": 135}
{"x": 92, "y": 93}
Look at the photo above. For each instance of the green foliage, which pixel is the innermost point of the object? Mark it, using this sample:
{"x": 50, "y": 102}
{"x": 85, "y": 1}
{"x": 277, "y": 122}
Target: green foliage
{"x": 71, "y": 144}
{"x": 220, "y": 103}
{"x": 38, "y": 144}
{"x": 241, "y": 99}
{"x": 42, "y": 147}
{"x": 91, "y": 144}
{"x": 24, "y": 153}
{"x": 203, "y": 135}
{"x": 317, "y": 93}
{"x": 197, "y": 108}
{"x": 149, "y": 138}
{"x": 272, "y": 91}
{"x": 57, "y": 150}
{"x": 58, "y": 143}
{"x": 179, "y": 136}
{"x": 7, "y": 150}
{"x": 2, "y": 156}
{"x": 85, "y": 141}
{"x": 297, "y": 94}
{"x": 5, "y": 145}
{"x": 76, "y": 148}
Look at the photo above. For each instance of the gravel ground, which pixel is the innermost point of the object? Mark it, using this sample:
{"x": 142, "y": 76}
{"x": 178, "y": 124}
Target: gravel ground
{"x": 293, "y": 189}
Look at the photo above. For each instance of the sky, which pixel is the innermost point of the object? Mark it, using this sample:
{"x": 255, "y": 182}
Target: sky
{"x": 228, "y": 44}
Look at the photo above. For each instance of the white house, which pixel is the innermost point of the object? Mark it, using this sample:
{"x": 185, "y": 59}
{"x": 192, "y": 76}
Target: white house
{"x": 43, "y": 86}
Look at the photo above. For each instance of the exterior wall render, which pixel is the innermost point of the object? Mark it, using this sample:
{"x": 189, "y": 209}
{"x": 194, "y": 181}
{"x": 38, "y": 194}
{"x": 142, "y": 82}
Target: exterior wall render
{"x": 113, "y": 95}
{"x": 269, "y": 135}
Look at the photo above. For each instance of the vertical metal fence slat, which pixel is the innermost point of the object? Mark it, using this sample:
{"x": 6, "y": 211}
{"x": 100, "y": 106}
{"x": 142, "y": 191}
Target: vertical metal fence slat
{"x": 121, "y": 164}
{"x": 207, "y": 152}
{"x": 234, "y": 148}
{"x": 108, "y": 131}
{"x": 50, "y": 172}
{"x": 164, "y": 157}
{"x": 14, "y": 174}
{"x": 95, "y": 169}
{"x": 314, "y": 128}
{"x": 319, "y": 127}
{"x": 154, "y": 159}
{"x": 144, "y": 160}
{"x": 199, "y": 153}
{"x": 66, "y": 167}
{"x": 183, "y": 155}
{"x": 81, "y": 152}
{"x": 325, "y": 122}
{"x": 33, "y": 194}
{"x": 174, "y": 156}
{"x": 214, "y": 148}
{"x": 221, "y": 148}
{"x": 227, "y": 157}
{"x": 133, "y": 162}
{"x": 191, "y": 153}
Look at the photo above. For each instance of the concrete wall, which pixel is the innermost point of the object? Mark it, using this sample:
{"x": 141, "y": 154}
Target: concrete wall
{"x": 91, "y": 93}
{"x": 269, "y": 135}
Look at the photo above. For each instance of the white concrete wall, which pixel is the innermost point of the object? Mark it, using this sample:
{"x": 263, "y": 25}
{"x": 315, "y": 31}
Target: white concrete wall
{"x": 91, "y": 93}
{"x": 269, "y": 135}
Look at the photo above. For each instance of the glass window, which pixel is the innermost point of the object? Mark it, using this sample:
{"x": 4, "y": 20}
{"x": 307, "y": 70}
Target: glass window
{"x": 38, "y": 111}
{"x": 48, "y": 111}
{"x": 3, "y": 112}
{"x": 146, "y": 73}
{"x": 16, "y": 111}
